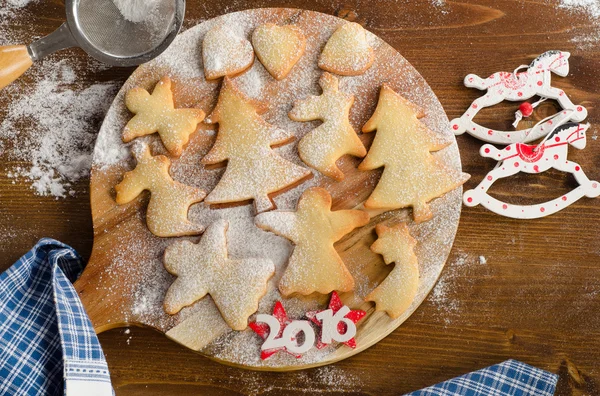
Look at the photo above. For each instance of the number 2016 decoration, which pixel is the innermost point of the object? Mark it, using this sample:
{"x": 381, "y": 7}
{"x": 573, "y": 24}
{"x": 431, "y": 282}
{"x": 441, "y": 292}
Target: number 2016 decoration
{"x": 337, "y": 323}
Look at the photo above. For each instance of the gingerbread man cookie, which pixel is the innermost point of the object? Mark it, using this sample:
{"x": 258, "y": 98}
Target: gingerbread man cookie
{"x": 236, "y": 286}
{"x": 167, "y": 214}
{"x": 225, "y": 52}
{"x": 347, "y": 52}
{"x": 324, "y": 145}
{"x": 398, "y": 290}
{"x": 314, "y": 266}
{"x": 412, "y": 176}
{"x": 244, "y": 139}
{"x": 278, "y": 47}
{"x": 156, "y": 113}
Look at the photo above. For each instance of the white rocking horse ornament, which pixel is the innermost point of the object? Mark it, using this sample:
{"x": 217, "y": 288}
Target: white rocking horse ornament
{"x": 519, "y": 157}
{"x": 536, "y": 80}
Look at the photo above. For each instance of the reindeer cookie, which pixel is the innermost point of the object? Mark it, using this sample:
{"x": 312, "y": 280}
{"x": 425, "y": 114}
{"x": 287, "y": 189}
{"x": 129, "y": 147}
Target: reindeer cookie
{"x": 398, "y": 290}
{"x": 156, "y": 113}
{"x": 324, "y": 145}
{"x": 278, "y": 47}
{"x": 236, "y": 286}
{"x": 167, "y": 214}
{"x": 225, "y": 52}
{"x": 347, "y": 52}
{"x": 314, "y": 266}
{"x": 412, "y": 176}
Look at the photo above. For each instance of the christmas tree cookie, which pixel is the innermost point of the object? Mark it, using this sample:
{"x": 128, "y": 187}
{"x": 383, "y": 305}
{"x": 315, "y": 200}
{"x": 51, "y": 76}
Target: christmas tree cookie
{"x": 314, "y": 266}
{"x": 236, "y": 286}
{"x": 167, "y": 214}
{"x": 347, "y": 52}
{"x": 324, "y": 145}
{"x": 278, "y": 47}
{"x": 397, "y": 291}
{"x": 156, "y": 112}
{"x": 244, "y": 140}
{"x": 412, "y": 176}
{"x": 225, "y": 52}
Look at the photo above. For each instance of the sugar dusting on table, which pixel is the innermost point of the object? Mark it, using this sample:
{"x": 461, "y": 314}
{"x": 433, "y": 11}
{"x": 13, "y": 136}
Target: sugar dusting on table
{"x": 50, "y": 127}
{"x": 589, "y": 9}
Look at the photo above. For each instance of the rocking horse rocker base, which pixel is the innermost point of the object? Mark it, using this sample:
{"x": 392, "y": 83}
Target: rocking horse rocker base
{"x": 519, "y": 157}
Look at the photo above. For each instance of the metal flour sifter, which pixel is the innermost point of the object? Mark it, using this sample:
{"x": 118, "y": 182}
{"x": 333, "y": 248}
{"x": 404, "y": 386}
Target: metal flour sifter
{"x": 99, "y": 28}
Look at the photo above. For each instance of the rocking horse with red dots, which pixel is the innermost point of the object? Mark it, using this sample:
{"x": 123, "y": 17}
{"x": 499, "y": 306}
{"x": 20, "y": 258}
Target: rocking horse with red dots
{"x": 520, "y": 157}
{"x": 519, "y": 86}
{"x": 517, "y": 157}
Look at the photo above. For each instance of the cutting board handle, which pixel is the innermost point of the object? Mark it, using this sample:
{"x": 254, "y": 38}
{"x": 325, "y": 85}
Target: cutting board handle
{"x": 14, "y": 61}
{"x": 102, "y": 306}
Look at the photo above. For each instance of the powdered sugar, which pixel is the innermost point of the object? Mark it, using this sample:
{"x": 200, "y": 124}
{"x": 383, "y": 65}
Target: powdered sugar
{"x": 62, "y": 113}
{"x": 135, "y": 10}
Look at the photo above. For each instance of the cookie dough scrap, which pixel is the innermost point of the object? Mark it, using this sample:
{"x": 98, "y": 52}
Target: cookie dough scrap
{"x": 236, "y": 286}
{"x": 225, "y": 52}
{"x": 167, "y": 214}
{"x": 254, "y": 170}
{"x": 314, "y": 265}
{"x": 278, "y": 47}
{"x": 335, "y": 137}
{"x": 398, "y": 290}
{"x": 156, "y": 112}
{"x": 347, "y": 52}
{"x": 412, "y": 176}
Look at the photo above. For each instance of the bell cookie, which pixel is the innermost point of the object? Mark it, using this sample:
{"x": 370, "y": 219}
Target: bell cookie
{"x": 225, "y": 52}
{"x": 347, "y": 52}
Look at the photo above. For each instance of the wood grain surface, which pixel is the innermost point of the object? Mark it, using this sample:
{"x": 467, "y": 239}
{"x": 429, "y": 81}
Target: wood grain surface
{"x": 535, "y": 299}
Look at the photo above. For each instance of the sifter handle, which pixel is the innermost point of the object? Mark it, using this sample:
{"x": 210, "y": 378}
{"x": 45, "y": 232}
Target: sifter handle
{"x": 14, "y": 61}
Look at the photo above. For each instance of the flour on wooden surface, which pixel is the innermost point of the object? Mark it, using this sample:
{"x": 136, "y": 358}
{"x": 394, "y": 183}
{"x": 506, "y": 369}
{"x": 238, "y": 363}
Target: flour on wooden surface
{"x": 50, "y": 127}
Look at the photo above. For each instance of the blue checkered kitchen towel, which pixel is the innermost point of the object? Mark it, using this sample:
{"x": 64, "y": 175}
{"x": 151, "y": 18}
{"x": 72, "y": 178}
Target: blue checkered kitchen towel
{"x": 47, "y": 343}
{"x": 510, "y": 378}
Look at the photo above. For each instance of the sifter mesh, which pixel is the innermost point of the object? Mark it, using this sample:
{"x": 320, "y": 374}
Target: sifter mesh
{"x": 105, "y": 28}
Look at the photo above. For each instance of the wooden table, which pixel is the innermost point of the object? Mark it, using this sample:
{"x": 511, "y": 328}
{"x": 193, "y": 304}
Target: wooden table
{"x": 527, "y": 290}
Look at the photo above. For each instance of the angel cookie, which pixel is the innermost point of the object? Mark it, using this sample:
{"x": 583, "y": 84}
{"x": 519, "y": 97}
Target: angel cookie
{"x": 236, "y": 286}
{"x": 225, "y": 52}
{"x": 278, "y": 47}
{"x": 169, "y": 200}
{"x": 314, "y": 266}
{"x": 324, "y": 145}
{"x": 244, "y": 140}
{"x": 397, "y": 291}
{"x": 412, "y": 176}
{"x": 347, "y": 52}
{"x": 156, "y": 112}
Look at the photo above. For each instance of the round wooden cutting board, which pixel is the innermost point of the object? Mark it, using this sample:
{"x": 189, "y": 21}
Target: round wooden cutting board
{"x": 125, "y": 281}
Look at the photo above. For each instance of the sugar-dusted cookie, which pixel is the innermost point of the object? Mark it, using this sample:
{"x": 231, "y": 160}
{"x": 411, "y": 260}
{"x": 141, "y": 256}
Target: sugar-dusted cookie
{"x": 236, "y": 286}
{"x": 314, "y": 266}
{"x": 244, "y": 140}
{"x": 156, "y": 112}
{"x": 225, "y": 52}
{"x": 169, "y": 200}
{"x": 398, "y": 290}
{"x": 347, "y": 52}
{"x": 324, "y": 145}
{"x": 412, "y": 176}
{"x": 278, "y": 47}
